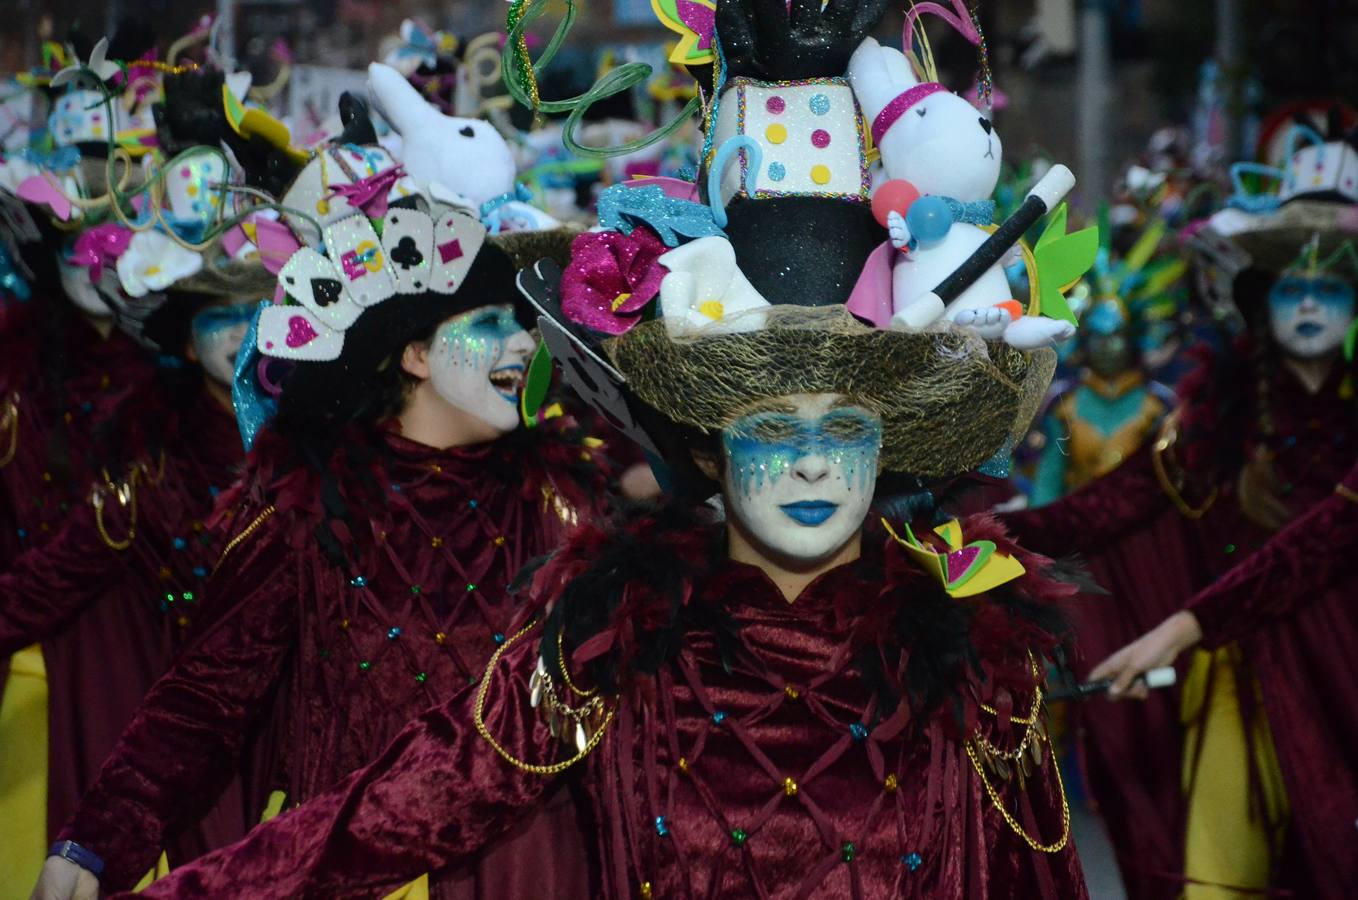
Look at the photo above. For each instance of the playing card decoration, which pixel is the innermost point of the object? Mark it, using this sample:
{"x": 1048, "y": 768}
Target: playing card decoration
{"x": 407, "y": 239}
{"x": 359, "y": 270}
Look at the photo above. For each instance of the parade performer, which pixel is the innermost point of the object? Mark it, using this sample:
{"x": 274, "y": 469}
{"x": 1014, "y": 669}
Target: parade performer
{"x": 64, "y": 371}
{"x": 114, "y": 593}
{"x": 1262, "y": 434}
{"x": 368, "y": 548}
{"x": 1104, "y": 417}
{"x": 800, "y": 696}
{"x": 1284, "y": 600}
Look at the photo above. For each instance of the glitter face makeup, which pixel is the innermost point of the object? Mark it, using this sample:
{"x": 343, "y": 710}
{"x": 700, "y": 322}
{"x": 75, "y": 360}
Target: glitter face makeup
{"x": 800, "y": 477}
{"x": 216, "y": 334}
{"x": 477, "y": 364}
{"x": 1310, "y": 314}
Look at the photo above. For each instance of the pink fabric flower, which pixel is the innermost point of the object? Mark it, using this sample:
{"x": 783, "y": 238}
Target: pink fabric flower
{"x": 370, "y": 194}
{"x": 611, "y": 278}
{"x": 99, "y": 247}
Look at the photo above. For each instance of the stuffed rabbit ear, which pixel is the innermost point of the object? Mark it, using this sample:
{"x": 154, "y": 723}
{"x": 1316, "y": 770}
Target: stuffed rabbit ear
{"x": 395, "y": 98}
{"x": 878, "y": 75}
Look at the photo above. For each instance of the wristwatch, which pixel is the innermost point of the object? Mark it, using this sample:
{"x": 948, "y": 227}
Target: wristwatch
{"x": 85, "y": 859}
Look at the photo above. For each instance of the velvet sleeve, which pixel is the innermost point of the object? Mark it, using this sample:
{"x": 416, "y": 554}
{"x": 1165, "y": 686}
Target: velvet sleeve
{"x": 1095, "y": 515}
{"x": 435, "y": 796}
{"x": 181, "y": 749}
{"x": 49, "y": 585}
{"x": 1315, "y": 550}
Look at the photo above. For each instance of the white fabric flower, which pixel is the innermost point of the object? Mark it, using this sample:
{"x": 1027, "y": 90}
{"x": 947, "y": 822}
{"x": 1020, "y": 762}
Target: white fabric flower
{"x": 706, "y": 289}
{"x": 153, "y": 262}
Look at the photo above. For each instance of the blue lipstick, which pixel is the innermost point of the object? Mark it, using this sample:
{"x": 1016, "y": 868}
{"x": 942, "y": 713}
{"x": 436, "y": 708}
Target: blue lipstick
{"x": 810, "y": 512}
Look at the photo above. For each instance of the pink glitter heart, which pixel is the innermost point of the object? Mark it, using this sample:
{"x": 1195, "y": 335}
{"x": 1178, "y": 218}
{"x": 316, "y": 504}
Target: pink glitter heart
{"x": 960, "y": 560}
{"x": 299, "y": 332}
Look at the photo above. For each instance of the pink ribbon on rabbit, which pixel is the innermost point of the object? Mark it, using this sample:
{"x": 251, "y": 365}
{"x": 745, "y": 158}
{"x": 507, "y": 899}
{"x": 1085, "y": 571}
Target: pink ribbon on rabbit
{"x": 899, "y": 106}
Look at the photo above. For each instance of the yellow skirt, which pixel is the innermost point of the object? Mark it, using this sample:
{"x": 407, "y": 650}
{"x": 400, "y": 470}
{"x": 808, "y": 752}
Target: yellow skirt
{"x": 23, "y": 774}
{"x": 1230, "y": 840}
{"x": 23, "y": 786}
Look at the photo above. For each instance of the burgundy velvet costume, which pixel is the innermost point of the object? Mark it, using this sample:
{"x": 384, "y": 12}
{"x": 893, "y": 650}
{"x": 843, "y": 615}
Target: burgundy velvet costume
{"x": 334, "y": 660}
{"x": 1290, "y": 605}
{"x": 61, "y": 393}
{"x": 1152, "y": 558}
{"x": 753, "y": 751}
{"x": 110, "y": 619}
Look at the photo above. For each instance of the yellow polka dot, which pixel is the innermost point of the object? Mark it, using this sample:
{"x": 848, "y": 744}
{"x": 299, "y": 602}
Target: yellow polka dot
{"x": 191, "y": 190}
{"x": 713, "y": 309}
{"x": 776, "y": 133}
{"x": 820, "y": 174}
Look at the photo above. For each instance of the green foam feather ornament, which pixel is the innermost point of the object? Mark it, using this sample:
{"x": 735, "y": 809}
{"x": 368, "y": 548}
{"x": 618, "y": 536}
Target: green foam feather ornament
{"x": 1060, "y": 260}
{"x": 535, "y": 385}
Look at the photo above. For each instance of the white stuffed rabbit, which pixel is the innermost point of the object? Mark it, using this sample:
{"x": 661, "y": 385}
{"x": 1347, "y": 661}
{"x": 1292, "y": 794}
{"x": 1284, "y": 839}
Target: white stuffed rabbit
{"x": 945, "y": 147}
{"x": 464, "y": 157}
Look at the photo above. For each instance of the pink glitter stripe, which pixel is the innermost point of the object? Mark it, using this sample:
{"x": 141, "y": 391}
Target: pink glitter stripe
{"x": 897, "y": 108}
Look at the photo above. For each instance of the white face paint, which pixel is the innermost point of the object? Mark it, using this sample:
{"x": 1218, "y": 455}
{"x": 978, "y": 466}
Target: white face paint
{"x": 216, "y": 334}
{"x": 800, "y": 474}
{"x": 1310, "y": 314}
{"x": 477, "y": 364}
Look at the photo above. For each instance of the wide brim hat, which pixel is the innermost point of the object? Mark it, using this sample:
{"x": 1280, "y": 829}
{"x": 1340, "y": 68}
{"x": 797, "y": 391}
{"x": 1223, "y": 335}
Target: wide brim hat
{"x": 1274, "y": 240}
{"x": 222, "y": 279}
{"x": 525, "y": 248}
{"x": 230, "y": 278}
{"x": 695, "y": 301}
{"x": 948, "y": 400}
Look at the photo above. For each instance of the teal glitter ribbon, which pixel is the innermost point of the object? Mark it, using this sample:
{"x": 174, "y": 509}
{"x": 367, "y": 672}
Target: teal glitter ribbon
{"x": 490, "y": 210}
{"x": 975, "y": 212}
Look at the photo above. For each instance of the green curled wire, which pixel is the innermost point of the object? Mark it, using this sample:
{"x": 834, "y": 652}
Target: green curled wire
{"x": 515, "y": 62}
